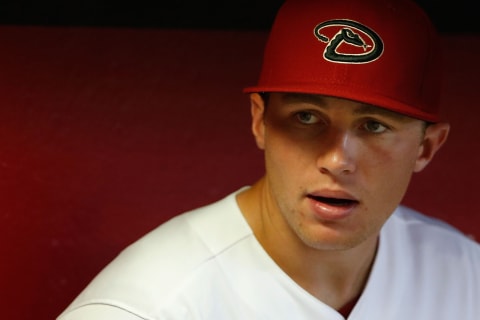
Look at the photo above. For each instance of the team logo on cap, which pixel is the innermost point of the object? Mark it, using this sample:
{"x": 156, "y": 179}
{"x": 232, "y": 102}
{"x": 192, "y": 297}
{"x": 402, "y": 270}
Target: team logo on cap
{"x": 348, "y": 41}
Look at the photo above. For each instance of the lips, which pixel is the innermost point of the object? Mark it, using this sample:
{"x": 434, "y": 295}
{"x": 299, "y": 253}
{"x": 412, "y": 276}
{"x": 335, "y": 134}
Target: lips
{"x": 332, "y": 205}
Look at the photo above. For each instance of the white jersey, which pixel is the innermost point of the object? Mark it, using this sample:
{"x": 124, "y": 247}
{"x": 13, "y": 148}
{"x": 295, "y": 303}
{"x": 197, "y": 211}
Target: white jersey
{"x": 207, "y": 264}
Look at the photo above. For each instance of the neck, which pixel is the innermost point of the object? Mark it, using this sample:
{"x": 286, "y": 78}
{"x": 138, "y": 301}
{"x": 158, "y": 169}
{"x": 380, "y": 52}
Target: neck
{"x": 333, "y": 276}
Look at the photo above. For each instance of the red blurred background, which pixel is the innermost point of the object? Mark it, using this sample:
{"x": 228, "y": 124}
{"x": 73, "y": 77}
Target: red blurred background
{"x": 106, "y": 133}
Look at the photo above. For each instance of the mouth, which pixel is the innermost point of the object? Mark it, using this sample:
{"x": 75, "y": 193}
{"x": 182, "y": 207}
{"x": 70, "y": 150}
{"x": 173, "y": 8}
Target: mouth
{"x": 332, "y": 205}
{"x": 335, "y": 202}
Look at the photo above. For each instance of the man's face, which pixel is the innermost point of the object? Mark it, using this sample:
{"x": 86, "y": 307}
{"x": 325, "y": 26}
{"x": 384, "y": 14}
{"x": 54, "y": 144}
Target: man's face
{"x": 335, "y": 168}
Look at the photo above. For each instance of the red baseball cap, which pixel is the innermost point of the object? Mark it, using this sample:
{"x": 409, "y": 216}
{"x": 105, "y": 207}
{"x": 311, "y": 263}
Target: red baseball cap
{"x": 381, "y": 52}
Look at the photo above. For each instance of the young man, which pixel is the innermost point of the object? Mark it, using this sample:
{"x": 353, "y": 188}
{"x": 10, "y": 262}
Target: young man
{"x": 346, "y": 110}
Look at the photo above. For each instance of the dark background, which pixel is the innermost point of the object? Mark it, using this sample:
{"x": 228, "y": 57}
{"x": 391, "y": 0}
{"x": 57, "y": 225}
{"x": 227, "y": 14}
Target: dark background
{"x": 449, "y": 16}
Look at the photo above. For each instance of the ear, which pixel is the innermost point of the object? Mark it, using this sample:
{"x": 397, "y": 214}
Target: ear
{"x": 435, "y": 136}
{"x": 257, "y": 109}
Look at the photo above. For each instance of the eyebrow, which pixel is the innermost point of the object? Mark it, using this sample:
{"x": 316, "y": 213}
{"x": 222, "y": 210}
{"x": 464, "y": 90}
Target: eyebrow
{"x": 362, "y": 109}
{"x": 368, "y": 109}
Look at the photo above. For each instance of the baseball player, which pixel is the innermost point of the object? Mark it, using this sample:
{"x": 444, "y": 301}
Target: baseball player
{"x": 345, "y": 111}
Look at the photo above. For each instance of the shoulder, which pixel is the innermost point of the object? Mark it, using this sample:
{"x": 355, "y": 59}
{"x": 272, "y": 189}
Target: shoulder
{"x": 412, "y": 219}
{"x": 427, "y": 234}
{"x": 213, "y": 227}
{"x": 157, "y": 266}
{"x": 424, "y": 263}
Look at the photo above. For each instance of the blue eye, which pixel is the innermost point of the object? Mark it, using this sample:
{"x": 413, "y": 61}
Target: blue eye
{"x": 374, "y": 127}
{"x": 306, "y": 117}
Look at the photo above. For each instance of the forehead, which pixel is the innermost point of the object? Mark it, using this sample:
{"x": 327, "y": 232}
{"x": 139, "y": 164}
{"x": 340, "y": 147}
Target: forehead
{"x": 329, "y": 102}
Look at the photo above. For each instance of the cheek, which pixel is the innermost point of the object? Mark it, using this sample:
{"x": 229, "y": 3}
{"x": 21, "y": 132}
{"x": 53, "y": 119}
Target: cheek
{"x": 397, "y": 154}
{"x": 287, "y": 160}
{"x": 279, "y": 155}
{"x": 287, "y": 151}
{"x": 391, "y": 166}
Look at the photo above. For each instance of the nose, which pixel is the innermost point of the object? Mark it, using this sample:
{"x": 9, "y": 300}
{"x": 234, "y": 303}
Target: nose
{"x": 338, "y": 154}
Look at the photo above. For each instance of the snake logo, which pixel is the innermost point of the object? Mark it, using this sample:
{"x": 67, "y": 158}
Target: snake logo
{"x": 348, "y": 41}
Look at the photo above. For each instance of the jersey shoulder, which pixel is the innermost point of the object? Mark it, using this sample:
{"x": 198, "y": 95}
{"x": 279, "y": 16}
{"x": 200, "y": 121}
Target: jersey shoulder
{"x": 157, "y": 266}
{"x": 430, "y": 236}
